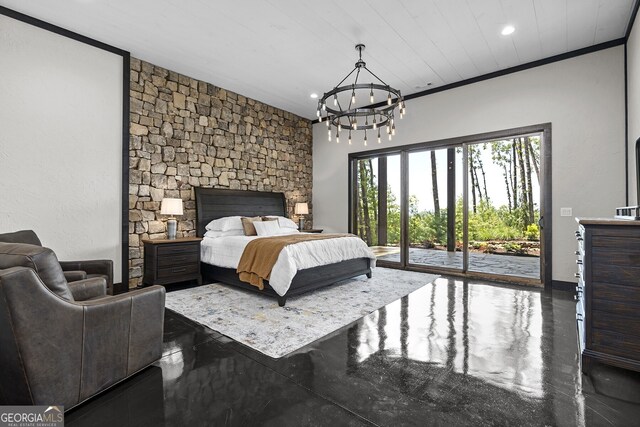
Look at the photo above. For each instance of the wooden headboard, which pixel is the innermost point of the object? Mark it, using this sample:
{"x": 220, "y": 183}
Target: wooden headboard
{"x": 214, "y": 203}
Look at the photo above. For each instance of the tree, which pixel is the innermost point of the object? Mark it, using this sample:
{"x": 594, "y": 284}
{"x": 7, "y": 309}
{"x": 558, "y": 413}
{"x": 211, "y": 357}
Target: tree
{"x": 528, "y": 176}
{"x": 434, "y": 183}
{"x": 366, "y": 181}
{"x": 501, "y": 156}
{"x": 523, "y": 177}
{"x": 532, "y": 153}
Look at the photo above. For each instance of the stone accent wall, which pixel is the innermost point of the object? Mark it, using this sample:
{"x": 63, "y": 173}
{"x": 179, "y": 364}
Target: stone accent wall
{"x": 187, "y": 133}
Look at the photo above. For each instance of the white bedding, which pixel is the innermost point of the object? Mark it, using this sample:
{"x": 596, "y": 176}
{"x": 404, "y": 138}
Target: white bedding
{"x": 227, "y": 251}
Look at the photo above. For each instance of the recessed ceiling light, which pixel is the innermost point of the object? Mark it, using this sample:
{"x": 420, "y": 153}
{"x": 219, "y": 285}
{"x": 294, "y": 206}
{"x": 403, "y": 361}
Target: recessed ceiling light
{"x": 313, "y": 95}
{"x": 509, "y": 29}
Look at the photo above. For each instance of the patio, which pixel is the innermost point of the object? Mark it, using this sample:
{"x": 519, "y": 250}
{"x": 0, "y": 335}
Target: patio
{"x": 510, "y": 265}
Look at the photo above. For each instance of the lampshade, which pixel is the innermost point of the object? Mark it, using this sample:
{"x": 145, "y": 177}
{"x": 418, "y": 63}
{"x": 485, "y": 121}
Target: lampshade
{"x": 301, "y": 209}
{"x": 171, "y": 206}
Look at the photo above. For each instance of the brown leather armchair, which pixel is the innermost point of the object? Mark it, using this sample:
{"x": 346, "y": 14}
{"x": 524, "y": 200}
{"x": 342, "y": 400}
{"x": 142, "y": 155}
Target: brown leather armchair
{"x": 73, "y": 270}
{"x": 63, "y": 343}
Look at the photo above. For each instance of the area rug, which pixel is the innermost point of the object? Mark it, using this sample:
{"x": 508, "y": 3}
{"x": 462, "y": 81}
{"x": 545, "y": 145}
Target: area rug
{"x": 258, "y": 322}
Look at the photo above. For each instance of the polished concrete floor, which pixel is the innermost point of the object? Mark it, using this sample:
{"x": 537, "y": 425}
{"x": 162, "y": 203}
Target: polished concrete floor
{"x": 508, "y": 265}
{"x": 451, "y": 353}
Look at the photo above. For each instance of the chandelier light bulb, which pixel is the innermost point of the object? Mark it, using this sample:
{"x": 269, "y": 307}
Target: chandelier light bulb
{"x": 349, "y": 137}
{"x": 339, "y": 126}
{"x": 328, "y": 122}
{"x": 324, "y": 106}
{"x": 389, "y": 99}
{"x": 365, "y": 137}
{"x": 318, "y": 112}
{"x": 379, "y": 141}
{"x": 337, "y": 138}
{"x": 371, "y": 95}
{"x": 353, "y": 96}
{"x": 375, "y": 125}
{"x": 354, "y": 124}
{"x": 329, "y": 135}
{"x": 335, "y": 99}
{"x": 393, "y": 129}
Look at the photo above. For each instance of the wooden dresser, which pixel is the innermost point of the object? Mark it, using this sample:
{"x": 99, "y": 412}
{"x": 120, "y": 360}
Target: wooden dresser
{"x": 171, "y": 261}
{"x": 608, "y": 300}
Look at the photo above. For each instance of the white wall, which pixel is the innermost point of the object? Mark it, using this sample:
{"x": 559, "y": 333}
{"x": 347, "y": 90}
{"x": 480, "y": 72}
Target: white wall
{"x": 583, "y": 98}
{"x": 61, "y": 142}
{"x": 633, "y": 99}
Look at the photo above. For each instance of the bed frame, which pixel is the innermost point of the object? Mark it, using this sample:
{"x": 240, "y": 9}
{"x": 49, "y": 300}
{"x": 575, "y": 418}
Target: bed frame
{"x": 214, "y": 203}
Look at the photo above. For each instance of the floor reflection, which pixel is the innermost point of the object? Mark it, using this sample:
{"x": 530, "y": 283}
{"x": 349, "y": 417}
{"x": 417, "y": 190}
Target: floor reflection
{"x": 488, "y": 332}
{"x": 450, "y": 353}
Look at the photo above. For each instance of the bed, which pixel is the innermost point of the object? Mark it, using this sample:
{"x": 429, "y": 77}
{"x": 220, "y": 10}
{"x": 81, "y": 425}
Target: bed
{"x": 213, "y": 203}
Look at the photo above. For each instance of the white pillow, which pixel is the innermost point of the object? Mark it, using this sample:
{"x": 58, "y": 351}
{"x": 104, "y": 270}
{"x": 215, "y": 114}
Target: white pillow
{"x": 288, "y": 231}
{"x": 216, "y": 233}
{"x": 285, "y": 222}
{"x": 267, "y": 228}
{"x": 225, "y": 224}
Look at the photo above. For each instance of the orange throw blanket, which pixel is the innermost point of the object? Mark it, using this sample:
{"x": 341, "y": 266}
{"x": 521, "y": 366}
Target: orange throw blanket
{"x": 261, "y": 254}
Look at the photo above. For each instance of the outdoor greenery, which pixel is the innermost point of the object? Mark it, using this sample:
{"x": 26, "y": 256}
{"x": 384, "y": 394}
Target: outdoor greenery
{"x": 517, "y": 158}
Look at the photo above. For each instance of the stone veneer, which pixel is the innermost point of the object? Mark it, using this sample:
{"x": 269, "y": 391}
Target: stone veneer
{"x": 187, "y": 133}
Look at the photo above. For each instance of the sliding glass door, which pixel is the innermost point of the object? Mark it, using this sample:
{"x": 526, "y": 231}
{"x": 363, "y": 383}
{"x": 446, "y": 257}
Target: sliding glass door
{"x": 435, "y": 207}
{"x": 503, "y": 179}
{"x": 377, "y": 205}
{"x": 467, "y": 205}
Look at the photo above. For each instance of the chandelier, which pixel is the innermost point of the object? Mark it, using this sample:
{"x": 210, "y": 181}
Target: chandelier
{"x": 352, "y": 107}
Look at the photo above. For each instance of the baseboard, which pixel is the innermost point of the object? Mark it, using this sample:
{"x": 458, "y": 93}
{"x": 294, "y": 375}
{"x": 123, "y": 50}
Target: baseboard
{"x": 559, "y": 285}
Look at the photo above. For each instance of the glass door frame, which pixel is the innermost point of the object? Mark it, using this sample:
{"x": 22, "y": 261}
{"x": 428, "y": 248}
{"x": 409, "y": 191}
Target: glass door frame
{"x": 543, "y": 129}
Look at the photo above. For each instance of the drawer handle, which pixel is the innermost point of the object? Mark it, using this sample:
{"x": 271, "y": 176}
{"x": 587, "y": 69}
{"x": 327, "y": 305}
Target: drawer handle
{"x": 579, "y": 239}
{"x": 179, "y": 270}
{"x": 577, "y": 233}
{"x": 577, "y": 252}
{"x": 579, "y": 316}
{"x": 576, "y": 275}
{"x": 579, "y": 262}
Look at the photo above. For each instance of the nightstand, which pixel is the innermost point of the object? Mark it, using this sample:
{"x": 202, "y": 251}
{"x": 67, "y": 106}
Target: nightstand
{"x": 171, "y": 261}
{"x": 314, "y": 230}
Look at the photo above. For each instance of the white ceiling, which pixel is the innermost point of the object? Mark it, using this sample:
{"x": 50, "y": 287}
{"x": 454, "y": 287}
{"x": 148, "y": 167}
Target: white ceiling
{"x": 280, "y": 51}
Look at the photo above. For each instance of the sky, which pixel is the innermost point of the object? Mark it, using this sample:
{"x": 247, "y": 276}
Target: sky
{"x": 420, "y": 178}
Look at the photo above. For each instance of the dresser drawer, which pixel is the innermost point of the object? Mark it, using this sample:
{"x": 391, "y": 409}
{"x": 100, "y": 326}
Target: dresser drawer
{"x": 620, "y": 294}
{"x": 615, "y": 343}
{"x": 178, "y": 249}
{"x": 177, "y": 271}
{"x": 615, "y": 323}
{"x": 178, "y": 259}
{"x": 615, "y": 274}
{"x": 581, "y": 327}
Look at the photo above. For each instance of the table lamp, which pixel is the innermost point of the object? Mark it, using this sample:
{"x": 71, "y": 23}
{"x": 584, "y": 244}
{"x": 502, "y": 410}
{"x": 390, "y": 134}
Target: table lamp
{"x": 301, "y": 210}
{"x": 171, "y": 207}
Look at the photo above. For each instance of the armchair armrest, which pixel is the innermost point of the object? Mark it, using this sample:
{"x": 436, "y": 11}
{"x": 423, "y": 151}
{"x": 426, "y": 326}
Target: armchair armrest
{"x": 74, "y": 275}
{"x": 98, "y": 266}
{"x": 83, "y": 290}
{"x": 144, "y": 311}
